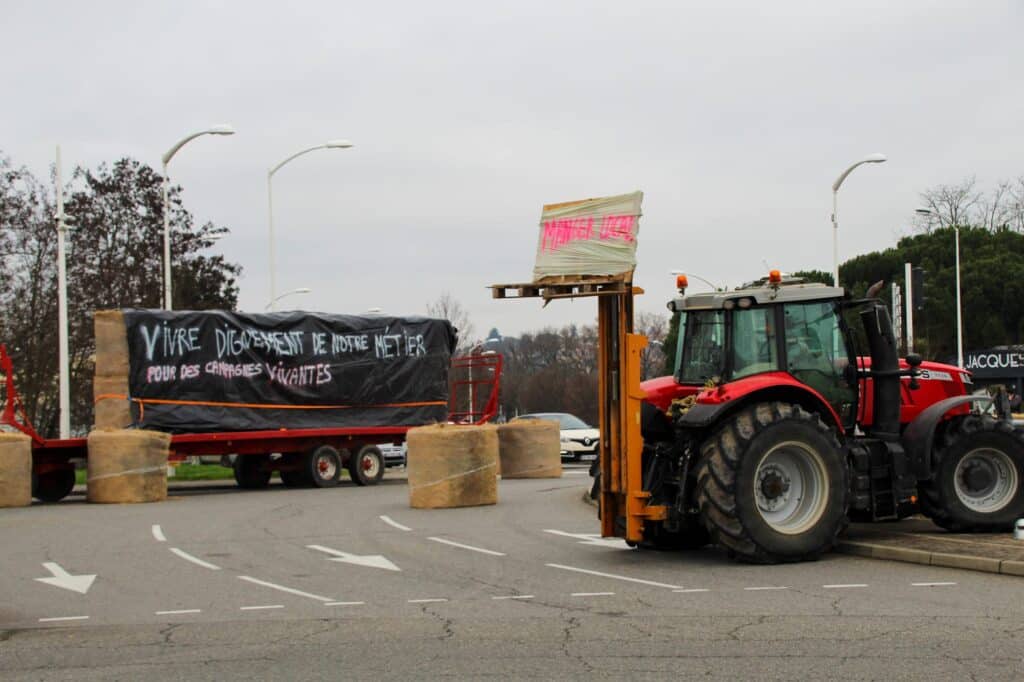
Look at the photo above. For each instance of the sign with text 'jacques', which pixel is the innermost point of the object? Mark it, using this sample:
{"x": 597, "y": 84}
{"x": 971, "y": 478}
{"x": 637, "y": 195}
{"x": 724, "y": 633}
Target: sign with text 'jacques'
{"x": 225, "y": 371}
{"x": 995, "y": 363}
{"x": 589, "y": 237}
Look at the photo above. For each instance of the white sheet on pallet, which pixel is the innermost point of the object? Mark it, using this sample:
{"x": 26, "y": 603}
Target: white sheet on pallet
{"x": 589, "y": 237}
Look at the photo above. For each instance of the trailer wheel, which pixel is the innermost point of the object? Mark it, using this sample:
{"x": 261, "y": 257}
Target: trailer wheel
{"x": 978, "y": 480}
{"x": 323, "y": 466}
{"x": 772, "y": 485}
{"x": 367, "y": 467}
{"x": 251, "y": 471}
{"x": 53, "y": 486}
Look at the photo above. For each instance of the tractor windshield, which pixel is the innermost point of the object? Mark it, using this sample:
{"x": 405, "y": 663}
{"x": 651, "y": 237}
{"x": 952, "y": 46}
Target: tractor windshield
{"x": 702, "y": 336}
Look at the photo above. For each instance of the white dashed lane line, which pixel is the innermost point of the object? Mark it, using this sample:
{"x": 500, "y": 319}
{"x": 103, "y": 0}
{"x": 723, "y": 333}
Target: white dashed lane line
{"x": 513, "y": 596}
{"x": 282, "y": 588}
{"x": 263, "y": 607}
{"x": 614, "y": 577}
{"x": 693, "y": 590}
{"x": 394, "y": 524}
{"x": 592, "y": 594}
{"x": 345, "y": 603}
{"x": 176, "y": 612}
{"x": 844, "y": 587}
{"x": 158, "y": 534}
{"x": 765, "y": 588}
{"x": 197, "y": 561}
{"x": 62, "y": 618}
{"x": 469, "y": 547}
{"x": 427, "y": 601}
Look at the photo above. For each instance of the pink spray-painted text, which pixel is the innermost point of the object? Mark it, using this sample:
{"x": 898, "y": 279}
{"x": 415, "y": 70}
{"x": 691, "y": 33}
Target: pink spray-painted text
{"x": 558, "y": 233}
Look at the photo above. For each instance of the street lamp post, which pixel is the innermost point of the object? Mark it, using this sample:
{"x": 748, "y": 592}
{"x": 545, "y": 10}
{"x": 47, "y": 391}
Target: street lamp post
{"x": 873, "y": 158}
{"x": 959, "y": 306}
{"x": 273, "y": 303}
{"x": 222, "y": 129}
{"x": 62, "y": 309}
{"x": 330, "y": 144}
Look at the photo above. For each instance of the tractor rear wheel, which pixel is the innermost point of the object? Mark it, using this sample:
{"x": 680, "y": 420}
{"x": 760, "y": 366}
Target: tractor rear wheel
{"x": 978, "y": 479}
{"x": 772, "y": 485}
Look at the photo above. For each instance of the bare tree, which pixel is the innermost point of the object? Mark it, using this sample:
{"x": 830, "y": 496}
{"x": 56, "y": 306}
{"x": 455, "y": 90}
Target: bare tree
{"x": 655, "y": 328}
{"x": 963, "y": 205}
{"x": 949, "y": 204}
{"x": 446, "y": 307}
{"x": 1017, "y": 205}
{"x": 995, "y": 211}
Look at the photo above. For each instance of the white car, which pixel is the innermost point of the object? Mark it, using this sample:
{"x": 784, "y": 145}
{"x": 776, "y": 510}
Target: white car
{"x": 394, "y": 455}
{"x": 578, "y": 437}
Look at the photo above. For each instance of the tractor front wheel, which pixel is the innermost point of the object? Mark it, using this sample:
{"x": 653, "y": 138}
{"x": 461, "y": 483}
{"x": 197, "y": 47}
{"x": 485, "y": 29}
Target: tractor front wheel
{"x": 772, "y": 485}
{"x": 978, "y": 480}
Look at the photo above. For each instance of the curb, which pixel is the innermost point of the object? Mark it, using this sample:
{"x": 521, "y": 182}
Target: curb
{"x": 870, "y": 550}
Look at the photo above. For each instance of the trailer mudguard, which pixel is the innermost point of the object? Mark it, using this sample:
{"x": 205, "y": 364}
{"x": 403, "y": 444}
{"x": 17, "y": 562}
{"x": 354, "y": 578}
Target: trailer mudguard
{"x": 919, "y": 436}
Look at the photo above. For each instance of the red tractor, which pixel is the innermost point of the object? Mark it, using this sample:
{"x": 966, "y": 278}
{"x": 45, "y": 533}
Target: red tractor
{"x": 777, "y": 428}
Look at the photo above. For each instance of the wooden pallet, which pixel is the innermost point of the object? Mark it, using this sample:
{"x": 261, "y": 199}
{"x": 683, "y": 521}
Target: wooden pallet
{"x": 563, "y": 288}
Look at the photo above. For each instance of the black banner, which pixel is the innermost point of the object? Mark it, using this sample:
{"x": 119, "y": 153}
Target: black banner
{"x": 995, "y": 363}
{"x": 223, "y": 371}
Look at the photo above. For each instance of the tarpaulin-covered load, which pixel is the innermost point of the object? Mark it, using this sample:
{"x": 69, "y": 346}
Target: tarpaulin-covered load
{"x": 223, "y": 371}
{"x": 589, "y": 237}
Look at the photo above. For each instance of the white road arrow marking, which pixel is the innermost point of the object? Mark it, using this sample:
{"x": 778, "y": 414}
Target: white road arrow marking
{"x": 370, "y": 560}
{"x": 591, "y": 539}
{"x": 61, "y": 578}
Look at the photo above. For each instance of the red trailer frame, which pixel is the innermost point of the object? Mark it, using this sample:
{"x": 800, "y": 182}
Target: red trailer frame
{"x": 52, "y": 458}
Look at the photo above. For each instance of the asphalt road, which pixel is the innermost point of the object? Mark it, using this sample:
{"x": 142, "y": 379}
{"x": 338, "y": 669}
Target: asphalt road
{"x": 351, "y": 583}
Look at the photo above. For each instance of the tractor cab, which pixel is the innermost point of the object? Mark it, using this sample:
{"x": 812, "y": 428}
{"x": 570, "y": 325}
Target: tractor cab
{"x": 772, "y": 332}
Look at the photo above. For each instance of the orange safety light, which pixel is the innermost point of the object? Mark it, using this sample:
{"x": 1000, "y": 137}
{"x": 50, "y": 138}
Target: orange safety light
{"x": 682, "y": 282}
{"x": 775, "y": 277}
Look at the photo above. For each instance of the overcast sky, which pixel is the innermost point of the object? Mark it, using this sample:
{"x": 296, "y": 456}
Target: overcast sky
{"x": 734, "y": 118}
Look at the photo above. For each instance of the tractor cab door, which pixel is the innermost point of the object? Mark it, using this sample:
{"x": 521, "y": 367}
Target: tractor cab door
{"x": 817, "y": 353}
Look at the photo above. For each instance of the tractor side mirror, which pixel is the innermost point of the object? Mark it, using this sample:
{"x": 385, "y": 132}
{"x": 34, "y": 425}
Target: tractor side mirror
{"x": 914, "y": 360}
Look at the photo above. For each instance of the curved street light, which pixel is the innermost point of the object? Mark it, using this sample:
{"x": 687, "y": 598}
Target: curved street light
{"x": 330, "y": 144}
{"x": 872, "y": 158}
{"x": 293, "y": 292}
{"x": 221, "y": 129}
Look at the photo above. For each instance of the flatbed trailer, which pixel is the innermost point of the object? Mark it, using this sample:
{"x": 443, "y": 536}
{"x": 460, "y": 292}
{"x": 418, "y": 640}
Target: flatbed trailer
{"x": 302, "y": 457}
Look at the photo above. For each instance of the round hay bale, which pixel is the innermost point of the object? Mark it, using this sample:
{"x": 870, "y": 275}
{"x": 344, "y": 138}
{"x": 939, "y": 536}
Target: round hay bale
{"x": 127, "y": 466}
{"x": 111, "y": 413}
{"x": 111, "y": 344}
{"x": 15, "y": 470}
{"x": 452, "y": 466}
{"x": 530, "y": 449}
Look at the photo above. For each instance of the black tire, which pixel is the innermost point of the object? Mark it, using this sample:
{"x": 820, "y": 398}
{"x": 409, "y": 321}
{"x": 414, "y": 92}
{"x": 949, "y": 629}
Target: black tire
{"x": 322, "y": 467}
{"x": 367, "y": 465}
{"x": 53, "y": 486}
{"x": 977, "y": 483}
{"x": 789, "y": 450}
{"x": 252, "y": 472}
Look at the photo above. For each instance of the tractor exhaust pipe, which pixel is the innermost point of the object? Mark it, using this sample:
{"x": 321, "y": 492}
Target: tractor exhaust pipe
{"x": 885, "y": 372}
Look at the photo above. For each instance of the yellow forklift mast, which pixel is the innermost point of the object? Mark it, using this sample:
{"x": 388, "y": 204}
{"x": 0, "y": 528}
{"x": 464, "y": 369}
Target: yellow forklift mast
{"x": 624, "y": 502}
